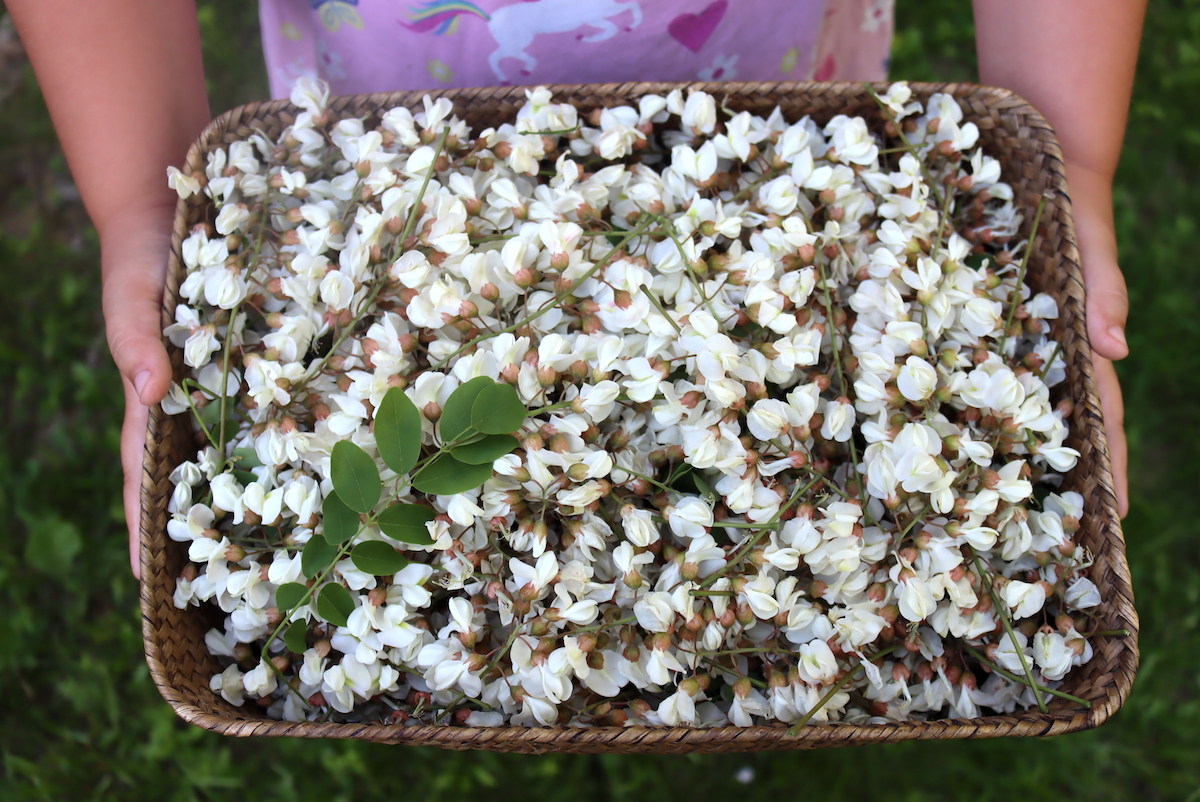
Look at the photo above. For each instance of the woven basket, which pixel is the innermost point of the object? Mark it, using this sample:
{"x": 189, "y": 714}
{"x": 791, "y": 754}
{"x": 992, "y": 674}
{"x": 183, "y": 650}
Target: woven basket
{"x": 1031, "y": 160}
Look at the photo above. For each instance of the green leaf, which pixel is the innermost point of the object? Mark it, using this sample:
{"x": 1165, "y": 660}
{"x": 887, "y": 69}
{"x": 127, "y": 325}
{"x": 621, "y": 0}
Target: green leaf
{"x": 341, "y": 522}
{"x": 247, "y": 458}
{"x": 498, "y": 410}
{"x": 211, "y": 416}
{"x": 398, "y": 431}
{"x": 485, "y": 451}
{"x": 377, "y": 558}
{"x": 317, "y": 556}
{"x": 406, "y": 523}
{"x": 296, "y": 636}
{"x": 289, "y": 595}
{"x": 53, "y": 544}
{"x": 445, "y": 476}
{"x": 244, "y": 477}
{"x": 355, "y": 477}
{"x": 335, "y": 605}
{"x": 456, "y": 415}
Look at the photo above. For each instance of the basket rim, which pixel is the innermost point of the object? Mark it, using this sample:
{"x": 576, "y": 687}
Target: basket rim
{"x": 1061, "y": 719}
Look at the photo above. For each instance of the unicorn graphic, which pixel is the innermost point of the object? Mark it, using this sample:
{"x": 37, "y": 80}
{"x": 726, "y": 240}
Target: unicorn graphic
{"x": 515, "y": 27}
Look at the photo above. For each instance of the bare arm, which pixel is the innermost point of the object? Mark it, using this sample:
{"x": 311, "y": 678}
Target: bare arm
{"x": 1074, "y": 60}
{"x": 124, "y": 82}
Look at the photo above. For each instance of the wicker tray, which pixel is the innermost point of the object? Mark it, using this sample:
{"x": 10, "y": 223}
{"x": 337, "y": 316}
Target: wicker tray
{"x": 1031, "y": 160}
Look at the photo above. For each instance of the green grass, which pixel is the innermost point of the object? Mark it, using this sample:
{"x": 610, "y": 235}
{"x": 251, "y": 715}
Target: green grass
{"x": 80, "y": 719}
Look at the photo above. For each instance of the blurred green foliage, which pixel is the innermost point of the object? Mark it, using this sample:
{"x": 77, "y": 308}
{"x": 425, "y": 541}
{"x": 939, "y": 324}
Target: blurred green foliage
{"x": 80, "y": 719}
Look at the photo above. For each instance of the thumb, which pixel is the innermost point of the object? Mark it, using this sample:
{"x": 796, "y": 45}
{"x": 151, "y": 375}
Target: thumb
{"x": 1107, "y": 298}
{"x": 132, "y": 299}
{"x": 1107, "y": 305}
{"x": 141, "y": 358}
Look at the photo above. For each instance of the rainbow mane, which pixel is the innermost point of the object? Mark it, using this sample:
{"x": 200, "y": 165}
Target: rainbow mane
{"x": 441, "y": 16}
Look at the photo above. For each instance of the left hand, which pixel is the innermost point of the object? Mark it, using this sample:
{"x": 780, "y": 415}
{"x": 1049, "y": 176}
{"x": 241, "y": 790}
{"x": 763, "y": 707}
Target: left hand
{"x": 1107, "y": 307}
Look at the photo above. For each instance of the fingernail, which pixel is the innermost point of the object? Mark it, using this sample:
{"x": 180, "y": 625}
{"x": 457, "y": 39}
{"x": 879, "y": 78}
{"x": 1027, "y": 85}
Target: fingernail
{"x": 1118, "y": 334}
{"x": 139, "y": 382}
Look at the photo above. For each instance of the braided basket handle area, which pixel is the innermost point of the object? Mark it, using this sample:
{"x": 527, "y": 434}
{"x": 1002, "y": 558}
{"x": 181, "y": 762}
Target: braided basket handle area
{"x": 1010, "y": 130}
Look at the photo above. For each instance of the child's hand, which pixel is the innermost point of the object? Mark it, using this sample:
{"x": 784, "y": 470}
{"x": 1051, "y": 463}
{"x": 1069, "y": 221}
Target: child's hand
{"x": 1107, "y": 307}
{"x": 134, "y": 256}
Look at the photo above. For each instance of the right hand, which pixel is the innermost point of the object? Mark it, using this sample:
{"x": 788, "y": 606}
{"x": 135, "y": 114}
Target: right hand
{"x": 133, "y": 254}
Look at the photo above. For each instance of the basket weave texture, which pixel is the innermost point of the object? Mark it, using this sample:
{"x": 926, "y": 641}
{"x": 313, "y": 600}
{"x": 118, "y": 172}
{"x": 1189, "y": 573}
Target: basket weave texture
{"x": 1010, "y": 130}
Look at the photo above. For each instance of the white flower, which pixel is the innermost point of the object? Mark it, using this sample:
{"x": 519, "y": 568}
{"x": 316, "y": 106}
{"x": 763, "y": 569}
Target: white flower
{"x": 678, "y": 709}
{"x": 260, "y": 680}
{"x": 689, "y": 518}
{"x": 916, "y": 599}
{"x": 639, "y": 526}
{"x": 760, "y": 595}
{"x": 182, "y": 183}
{"x": 1025, "y": 599}
{"x": 816, "y": 663}
{"x": 1051, "y": 655}
{"x": 769, "y": 418}
{"x": 654, "y": 612}
{"x": 851, "y": 140}
{"x": 1008, "y": 653}
{"x": 229, "y": 684}
{"x": 917, "y": 379}
{"x": 1082, "y": 594}
{"x": 839, "y": 421}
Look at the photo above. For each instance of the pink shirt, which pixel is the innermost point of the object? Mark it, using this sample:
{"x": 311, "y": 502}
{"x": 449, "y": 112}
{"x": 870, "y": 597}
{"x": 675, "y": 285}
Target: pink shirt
{"x": 389, "y": 45}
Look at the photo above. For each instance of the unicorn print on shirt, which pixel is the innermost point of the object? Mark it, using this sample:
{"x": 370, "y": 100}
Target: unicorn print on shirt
{"x": 515, "y": 27}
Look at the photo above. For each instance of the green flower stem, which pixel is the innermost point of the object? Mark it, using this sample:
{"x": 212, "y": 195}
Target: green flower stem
{"x": 1002, "y": 611}
{"x": 196, "y": 413}
{"x": 918, "y": 517}
{"x": 550, "y": 133}
{"x": 745, "y": 525}
{"x": 1053, "y": 356}
{"x": 287, "y": 618}
{"x": 225, "y": 365}
{"x": 729, "y": 524}
{"x": 1015, "y": 298}
{"x": 409, "y": 225}
{"x": 981, "y": 657}
{"x": 505, "y": 237}
{"x": 654, "y": 482}
{"x": 837, "y": 361}
{"x": 947, "y": 201}
{"x": 227, "y": 350}
{"x": 745, "y": 192}
{"x": 553, "y": 302}
{"x": 795, "y": 728}
{"x": 597, "y": 627}
{"x": 887, "y": 114}
{"x": 757, "y": 683}
{"x": 900, "y": 149}
{"x": 669, "y": 227}
{"x": 713, "y": 593}
{"x": 495, "y": 661}
{"x": 752, "y": 541}
{"x": 658, "y": 305}
{"x": 750, "y": 650}
{"x": 533, "y": 413}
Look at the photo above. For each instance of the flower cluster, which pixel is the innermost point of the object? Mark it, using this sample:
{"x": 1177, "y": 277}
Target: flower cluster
{"x": 788, "y": 439}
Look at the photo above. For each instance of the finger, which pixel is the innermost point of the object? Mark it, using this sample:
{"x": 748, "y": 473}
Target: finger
{"x": 1107, "y": 298}
{"x": 133, "y": 443}
{"x": 133, "y": 323}
{"x": 1107, "y": 307}
{"x": 1113, "y": 407}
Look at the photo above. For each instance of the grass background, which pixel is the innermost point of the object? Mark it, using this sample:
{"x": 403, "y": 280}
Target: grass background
{"x": 80, "y": 719}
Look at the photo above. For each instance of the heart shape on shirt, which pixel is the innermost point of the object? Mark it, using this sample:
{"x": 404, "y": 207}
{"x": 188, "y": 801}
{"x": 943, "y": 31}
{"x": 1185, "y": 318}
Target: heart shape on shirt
{"x": 693, "y": 30}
